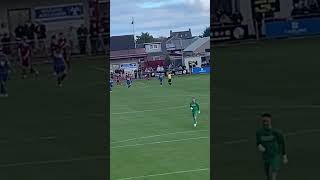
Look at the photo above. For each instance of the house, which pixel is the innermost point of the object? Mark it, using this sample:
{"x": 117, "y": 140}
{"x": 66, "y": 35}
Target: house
{"x": 124, "y": 55}
{"x": 181, "y": 34}
{"x": 156, "y": 53}
{"x": 200, "y": 46}
{"x": 129, "y": 59}
{"x": 197, "y": 54}
{"x": 175, "y": 47}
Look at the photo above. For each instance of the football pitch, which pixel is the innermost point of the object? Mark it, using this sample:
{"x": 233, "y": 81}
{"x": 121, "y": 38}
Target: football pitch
{"x": 280, "y": 77}
{"x": 152, "y": 133}
{"x": 52, "y": 133}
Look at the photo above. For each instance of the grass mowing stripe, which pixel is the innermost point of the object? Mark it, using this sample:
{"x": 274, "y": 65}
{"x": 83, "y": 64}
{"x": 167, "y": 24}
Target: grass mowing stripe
{"x": 32, "y": 163}
{"x": 164, "y": 174}
{"x": 302, "y": 132}
{"x": 151, "y": 110}
{"x": 269, "y": 107}
{"x": 159, "y": 142}
{"x": 158, "y": 135}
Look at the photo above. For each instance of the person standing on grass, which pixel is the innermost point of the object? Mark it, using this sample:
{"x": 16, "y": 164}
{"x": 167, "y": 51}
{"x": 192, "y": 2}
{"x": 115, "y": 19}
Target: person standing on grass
{"x": 271, "y": 143}
{"x": 128, "y": 78}
{"x": 161, "y": 78}
{"x": 195, "y": 109}
{"x": 24, "y": 52}
{"x": 60, "y": 65}
{"x": 53, "y": 46}
{"x": 4, "y": 72}
{"x": 169, "y": 78}
{"x": 62, "y": 43}
{"x": 110, "y": 84}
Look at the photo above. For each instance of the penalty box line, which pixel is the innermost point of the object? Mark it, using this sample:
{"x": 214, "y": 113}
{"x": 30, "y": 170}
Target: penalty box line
{"x": 159, "y": 142}
{"x": 158, "y": 135}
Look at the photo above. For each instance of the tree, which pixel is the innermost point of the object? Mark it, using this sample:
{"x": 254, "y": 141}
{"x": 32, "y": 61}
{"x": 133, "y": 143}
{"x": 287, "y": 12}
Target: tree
{"x": 159, "y": 39}
{"x": 145, "y": 38}
{"x": 206, "y": 32}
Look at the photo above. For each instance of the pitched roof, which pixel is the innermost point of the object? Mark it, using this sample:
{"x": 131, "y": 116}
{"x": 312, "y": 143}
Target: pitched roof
{"x": 177, "y": 42}
{"x": 118, "y": 43}
{"x": 196, "y": 44}
{"x": 182, "y": 34}
{"x": 129, "y": 53}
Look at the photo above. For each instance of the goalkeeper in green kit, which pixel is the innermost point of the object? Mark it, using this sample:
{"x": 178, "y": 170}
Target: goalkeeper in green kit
{"x": 195, "y": 109}
{"x": 270, "y": 142}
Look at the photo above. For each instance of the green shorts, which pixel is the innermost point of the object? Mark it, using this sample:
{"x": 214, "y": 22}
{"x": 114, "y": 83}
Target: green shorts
{"x": 195, "y": 113}
{"x": 272, "y": 164}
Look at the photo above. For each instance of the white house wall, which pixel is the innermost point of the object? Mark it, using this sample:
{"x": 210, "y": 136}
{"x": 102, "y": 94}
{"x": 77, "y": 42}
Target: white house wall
{"x": 188, "y": 59}
{"x": 149, "y": 50}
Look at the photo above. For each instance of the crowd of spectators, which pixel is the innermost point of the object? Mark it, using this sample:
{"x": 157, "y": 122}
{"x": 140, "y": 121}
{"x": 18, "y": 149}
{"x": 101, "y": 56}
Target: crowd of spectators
{"x": 303, "y": 8}
{"x": 221, "y": 18}
{"x": 31, "y": 31}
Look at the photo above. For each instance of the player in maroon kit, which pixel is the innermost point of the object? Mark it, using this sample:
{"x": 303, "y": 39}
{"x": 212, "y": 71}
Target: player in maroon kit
{"x": 25, "y": 59}
{"x": 62, "y": 42}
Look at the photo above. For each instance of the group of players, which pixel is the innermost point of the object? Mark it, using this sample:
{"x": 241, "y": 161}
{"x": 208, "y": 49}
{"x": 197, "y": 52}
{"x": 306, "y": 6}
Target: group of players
{"x": 129, "y": 79}
{"x": 60, "y": 59}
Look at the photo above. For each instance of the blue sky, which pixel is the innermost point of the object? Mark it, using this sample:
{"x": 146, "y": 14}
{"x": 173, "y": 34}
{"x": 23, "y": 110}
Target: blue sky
{"x": 158, "y": 17}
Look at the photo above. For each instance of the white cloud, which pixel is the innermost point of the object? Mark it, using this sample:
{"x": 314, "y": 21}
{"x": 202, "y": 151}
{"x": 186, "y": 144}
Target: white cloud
{"x": 203, "y": 4}
{"x": 159, "y": 19}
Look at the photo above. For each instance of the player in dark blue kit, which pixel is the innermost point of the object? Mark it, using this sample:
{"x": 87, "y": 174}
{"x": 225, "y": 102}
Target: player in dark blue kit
{"x": 53, "y": 47}
{"x": 161, "y": 76}
{"x": 4, "y": 72}
{"x": 59, "y": 65}
{"x": 111, "y": 84}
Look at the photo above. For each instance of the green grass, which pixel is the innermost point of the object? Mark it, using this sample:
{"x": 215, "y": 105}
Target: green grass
{"x": 280, "y": 77}
{"x": 152, "y": 131}
{"x": 53, "y": 133}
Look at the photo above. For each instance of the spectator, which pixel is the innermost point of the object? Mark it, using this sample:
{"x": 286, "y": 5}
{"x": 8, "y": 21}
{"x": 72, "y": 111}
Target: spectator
{"x": 82, "y": 37}
{"x": 225, "y": 19}
{"x": 6, "y": 46}
{"x": 94, "y": 38}
{"x": 30, "y": 31}
{"x": 72, "y": 35}
{"x": 41, "y": 31}
{"x": 314, "y": 7}
{"x": 19, "y": 32}
{"x": 258, "y": 23}
{"x": 237, "y": 18}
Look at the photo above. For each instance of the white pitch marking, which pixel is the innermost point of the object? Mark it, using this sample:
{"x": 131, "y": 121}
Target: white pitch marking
{"x": 150, "y": 110}
{"x": 158, "y": 142}
{"x": 158, "y": 135}
{"x": 164, "y": 174}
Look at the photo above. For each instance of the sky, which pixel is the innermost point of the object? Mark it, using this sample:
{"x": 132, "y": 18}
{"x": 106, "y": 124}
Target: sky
{"x": 158, "y": 17}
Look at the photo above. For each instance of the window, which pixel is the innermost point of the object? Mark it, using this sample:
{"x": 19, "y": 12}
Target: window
{"x": 153, "y": 46}
{"x": 156, "y": 58}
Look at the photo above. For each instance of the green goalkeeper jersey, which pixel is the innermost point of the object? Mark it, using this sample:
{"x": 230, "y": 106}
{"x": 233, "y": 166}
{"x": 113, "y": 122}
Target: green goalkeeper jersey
{"x": 195, "y": 107}
{"x": 273, "y": 141}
